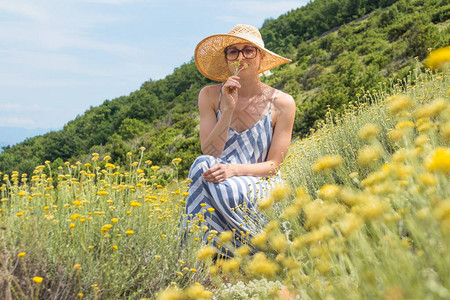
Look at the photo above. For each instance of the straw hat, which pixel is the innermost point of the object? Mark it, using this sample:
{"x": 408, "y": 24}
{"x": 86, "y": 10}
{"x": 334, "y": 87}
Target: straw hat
{"x": 210, "y": 56}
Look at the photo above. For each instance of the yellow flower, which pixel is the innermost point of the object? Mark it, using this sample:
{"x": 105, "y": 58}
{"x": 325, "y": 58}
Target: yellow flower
{"x": 135, "y": 204}
{"x": 170, "y": 294}
{"x": 102, "y": 193}
{"x": 19, "y": 214}
{"x": 328, "y": 192}
{"x": 154, "y": 168}
{"x": 398, "y": 103}
{"x": 21, "y": 254}
{"x": 114, "y": 247}
{"x": 129, "y": 232}
{"x": 368, "y": 132}
{"x": 442, "y": 210}
{"x": 176, "y": 160}
{"x": 77, "y": 267}
{"x": 404, "y": 124}
{"x": 326, "y": 163}
{"x": 438, "y": 160}
{"x": 163, "y": 236}
{"x": 197, "y": 291}
{"x": 38, "y": 279}
{"x": 291, "y": 211}
{"x": 368, "y": 155}
{"x": 280, "y": 192}
{"x": 230, "y": 265}
{"x": 243, "y": 250}
{"x": 205, "y": 252}
{"x": 259, "y": 239}
{"x": 428, "y": 178}
{"x": 421, "y": 140}
{"x": 225, "y": 237}
{"x": 266, "y": 202}
{"x": 80, "y": 295}
{"x": 278, "y": 242}
{"x": 370, "y": 208}
{"x": 432, "y": 109}
{"x": 261, "y": 265}
{"x": 438, "y": 58}
{"x": 211, "y": 209}
{"x": 148, "y": 162}
{"x": 114, "y": 220}
{"x": 110, "y": 166}
{"x": 75, "y": 216}
{"x": 350, "y": 224}
{"x": 107, "y": 157}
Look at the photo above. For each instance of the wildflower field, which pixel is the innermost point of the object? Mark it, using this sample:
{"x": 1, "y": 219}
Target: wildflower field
{"x": 364, "y": 214}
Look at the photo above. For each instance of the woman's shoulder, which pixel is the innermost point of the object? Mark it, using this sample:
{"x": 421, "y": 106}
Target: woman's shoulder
{"x": 210, "y": 90}
{"x": 283, "y": 105}
{"x": 209, "y": 96}
{"x": 283, "y": 100}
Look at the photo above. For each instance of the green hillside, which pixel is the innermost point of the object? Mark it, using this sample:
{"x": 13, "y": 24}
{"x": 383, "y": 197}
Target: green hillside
{"x": 339, "y": 50}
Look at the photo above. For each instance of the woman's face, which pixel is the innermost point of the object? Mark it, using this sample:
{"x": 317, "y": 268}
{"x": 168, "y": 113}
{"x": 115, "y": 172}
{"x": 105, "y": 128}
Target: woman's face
{"x": 249, "y": 55}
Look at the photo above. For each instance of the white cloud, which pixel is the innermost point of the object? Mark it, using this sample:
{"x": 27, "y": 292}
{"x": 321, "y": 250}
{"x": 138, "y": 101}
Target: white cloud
{"x": 26, "y": 9}
{"x": 17, "y": 122}
{"x": 21, "y": 80}
{"x": 17, "y": 108}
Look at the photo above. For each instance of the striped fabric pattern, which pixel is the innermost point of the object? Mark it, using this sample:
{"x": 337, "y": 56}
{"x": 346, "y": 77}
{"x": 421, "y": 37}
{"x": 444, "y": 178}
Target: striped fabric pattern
{"x": 231, "y": 204}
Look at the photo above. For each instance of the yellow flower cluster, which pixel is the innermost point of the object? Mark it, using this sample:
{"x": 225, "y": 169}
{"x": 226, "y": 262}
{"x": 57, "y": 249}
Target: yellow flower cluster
{"x": 438, "y": 58}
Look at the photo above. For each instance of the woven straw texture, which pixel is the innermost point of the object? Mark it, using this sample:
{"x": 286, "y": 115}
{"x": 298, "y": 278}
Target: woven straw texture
{"x": 210, "y": 57}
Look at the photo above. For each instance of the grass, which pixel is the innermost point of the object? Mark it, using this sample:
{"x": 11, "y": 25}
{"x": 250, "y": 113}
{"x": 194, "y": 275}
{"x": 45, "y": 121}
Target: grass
{"x": 365, "y": 213}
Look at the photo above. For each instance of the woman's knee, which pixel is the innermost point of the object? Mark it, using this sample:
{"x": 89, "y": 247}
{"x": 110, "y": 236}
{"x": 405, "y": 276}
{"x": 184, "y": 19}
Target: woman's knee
{"x": 204, "y": 161}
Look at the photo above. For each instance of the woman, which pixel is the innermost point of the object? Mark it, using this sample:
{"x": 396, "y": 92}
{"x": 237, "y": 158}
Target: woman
{"x": 245, "y": 132}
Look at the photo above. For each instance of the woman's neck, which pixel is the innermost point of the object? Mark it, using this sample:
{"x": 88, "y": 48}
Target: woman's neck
{"x": 250, "y": 87}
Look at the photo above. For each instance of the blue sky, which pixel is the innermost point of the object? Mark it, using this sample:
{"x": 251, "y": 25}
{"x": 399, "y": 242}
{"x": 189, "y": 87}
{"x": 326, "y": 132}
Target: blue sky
{"x": 60, "y": 57}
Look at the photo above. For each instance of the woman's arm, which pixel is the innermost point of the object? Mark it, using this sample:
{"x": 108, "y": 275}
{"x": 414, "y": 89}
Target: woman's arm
{"x": 284, "y": 108}
{"x": 213, "y": 133}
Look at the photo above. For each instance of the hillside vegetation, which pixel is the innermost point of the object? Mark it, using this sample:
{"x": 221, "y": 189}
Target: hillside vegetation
{"x": 334, "y": 61}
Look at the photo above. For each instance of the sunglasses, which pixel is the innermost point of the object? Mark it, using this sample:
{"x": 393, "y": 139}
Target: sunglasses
{"x": 233, "y": 53}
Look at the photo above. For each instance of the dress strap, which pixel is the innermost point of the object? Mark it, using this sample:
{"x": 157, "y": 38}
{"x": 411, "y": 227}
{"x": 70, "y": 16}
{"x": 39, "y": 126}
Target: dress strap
{"x": 220, "y": 96}
{"x": 273, "y": 98}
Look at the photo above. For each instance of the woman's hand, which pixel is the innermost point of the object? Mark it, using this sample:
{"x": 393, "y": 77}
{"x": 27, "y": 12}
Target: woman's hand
{"x": 218, "y": 173}
{"x": 230, "y": 92}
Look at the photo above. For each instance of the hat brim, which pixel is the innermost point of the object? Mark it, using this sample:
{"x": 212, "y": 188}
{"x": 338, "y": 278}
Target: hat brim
{"x": 210, "y": 59}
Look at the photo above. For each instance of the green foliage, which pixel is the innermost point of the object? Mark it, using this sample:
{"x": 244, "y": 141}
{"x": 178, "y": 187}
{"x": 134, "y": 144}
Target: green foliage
{"x": 130, "y": 128}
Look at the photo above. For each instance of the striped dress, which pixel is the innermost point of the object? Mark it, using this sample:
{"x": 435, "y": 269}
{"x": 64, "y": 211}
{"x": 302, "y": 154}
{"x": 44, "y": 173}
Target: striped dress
{"x": 231, "y": 204}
